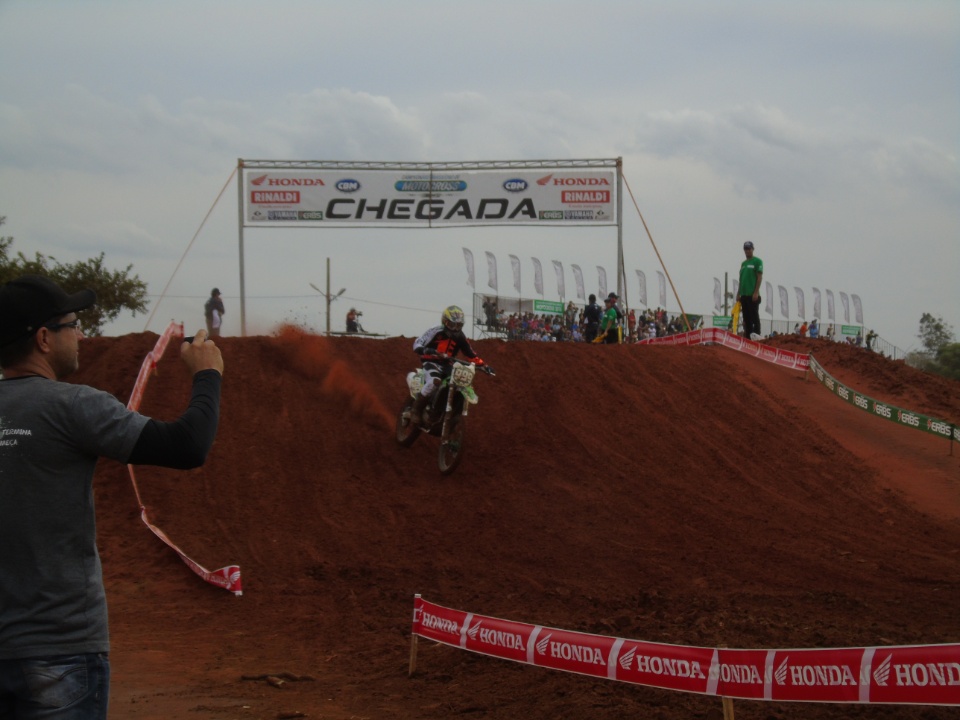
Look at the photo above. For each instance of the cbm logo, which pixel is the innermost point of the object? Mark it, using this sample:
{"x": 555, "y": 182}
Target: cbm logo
{"x": 515, "y": 185}
{"x": 348, "y": 186}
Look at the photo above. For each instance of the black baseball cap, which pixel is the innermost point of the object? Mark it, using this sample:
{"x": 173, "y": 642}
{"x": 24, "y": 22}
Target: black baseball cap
{"x": 748, "y": 245}
{"x": 32, "y": 300}
{"x": 613, "y": 296}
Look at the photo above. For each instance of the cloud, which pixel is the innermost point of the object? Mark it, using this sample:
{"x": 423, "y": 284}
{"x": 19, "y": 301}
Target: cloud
{"x": 325, "y": 124}
{"x": 768, "y": 155}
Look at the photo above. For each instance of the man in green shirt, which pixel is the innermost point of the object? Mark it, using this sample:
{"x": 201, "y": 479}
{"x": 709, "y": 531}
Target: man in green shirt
{"x": 609, "y": 325}
{"x": 751, "y": 276}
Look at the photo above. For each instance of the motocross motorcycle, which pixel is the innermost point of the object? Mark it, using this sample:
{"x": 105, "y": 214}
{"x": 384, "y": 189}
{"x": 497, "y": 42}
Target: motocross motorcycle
{"x": 445, "y": 416}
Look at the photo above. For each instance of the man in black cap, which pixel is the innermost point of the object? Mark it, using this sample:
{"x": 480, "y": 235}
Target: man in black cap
{"x": 751, "y": 276}
{"x": 213, "y": 312}
{"x": 54, "y": 642}
{"x": 610, "y": 324}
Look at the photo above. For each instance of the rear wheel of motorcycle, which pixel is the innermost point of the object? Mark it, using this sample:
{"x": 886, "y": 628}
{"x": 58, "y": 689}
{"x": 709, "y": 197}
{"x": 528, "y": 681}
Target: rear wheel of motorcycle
{"x": 407, "y": 432}
{"x": 452, "y": 450}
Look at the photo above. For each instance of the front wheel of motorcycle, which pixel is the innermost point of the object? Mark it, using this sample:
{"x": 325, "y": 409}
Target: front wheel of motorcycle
{"x": 452, "y": 451}
{"x": 407, "y": 432}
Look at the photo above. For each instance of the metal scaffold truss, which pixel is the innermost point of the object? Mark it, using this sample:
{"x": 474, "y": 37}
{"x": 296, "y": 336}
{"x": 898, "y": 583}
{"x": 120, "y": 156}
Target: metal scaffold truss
{"x": 462, "y": 165}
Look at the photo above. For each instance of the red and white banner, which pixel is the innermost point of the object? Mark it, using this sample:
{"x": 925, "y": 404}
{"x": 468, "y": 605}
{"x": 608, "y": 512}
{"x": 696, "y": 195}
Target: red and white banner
{"x": 906, "y": 675}
{"x": 226, "y": 577}
{"x": 149, "y": 364}
{"x": 719, "y": 336}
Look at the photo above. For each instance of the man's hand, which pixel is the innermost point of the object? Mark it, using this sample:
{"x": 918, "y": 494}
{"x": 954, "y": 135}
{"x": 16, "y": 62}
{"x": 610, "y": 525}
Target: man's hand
{"x": 201, "y": 354}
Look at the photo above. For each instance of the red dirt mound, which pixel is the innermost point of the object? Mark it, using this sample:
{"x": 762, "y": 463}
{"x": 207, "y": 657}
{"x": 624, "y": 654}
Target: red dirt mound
{"x": 685, "y": 495}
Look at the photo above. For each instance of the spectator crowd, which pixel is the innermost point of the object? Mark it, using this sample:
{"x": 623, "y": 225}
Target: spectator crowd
{"x": 571, "y": 325}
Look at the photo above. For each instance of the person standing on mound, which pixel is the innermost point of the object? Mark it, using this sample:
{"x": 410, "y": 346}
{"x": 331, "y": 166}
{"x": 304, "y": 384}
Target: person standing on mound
{"x": 54, "y": 644}
{"x": 213, "y": 313}
{"x": 610, "y": 324}
{"x": 751, "y": 277}
{"x": 591, "y": 319}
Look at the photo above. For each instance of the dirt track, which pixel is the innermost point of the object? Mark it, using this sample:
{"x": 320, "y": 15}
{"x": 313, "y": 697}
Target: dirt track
{"x": 685, "y": 495}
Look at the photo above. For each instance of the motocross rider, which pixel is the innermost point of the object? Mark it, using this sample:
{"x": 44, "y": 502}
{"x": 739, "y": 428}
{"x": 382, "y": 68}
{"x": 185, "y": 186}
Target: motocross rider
{"x": 437, "y": 347}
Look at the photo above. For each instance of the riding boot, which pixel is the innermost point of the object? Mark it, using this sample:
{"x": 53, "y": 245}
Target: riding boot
{"x": 416, "y": 412}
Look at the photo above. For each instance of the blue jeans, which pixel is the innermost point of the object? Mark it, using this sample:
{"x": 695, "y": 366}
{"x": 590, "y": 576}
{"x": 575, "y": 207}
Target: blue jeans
{"x": 65, "y": 687}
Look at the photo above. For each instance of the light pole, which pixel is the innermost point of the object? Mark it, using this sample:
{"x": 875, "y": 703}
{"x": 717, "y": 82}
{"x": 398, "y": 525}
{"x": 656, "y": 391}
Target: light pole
{"x": 327, "y": 296}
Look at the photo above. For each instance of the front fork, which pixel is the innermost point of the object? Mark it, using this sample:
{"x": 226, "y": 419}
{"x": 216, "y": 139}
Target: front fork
{"x": 448, "y": 414}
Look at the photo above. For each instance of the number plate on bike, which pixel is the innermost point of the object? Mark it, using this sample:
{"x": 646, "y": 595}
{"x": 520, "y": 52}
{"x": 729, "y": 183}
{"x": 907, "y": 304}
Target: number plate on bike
{"x": 462, "y": 375}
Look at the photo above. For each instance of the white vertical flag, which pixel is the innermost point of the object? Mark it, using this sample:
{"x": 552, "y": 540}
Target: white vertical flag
{"x": 468, "y": 256}
{"x": 736, "y": 290}
{"x": 663, "y": 289}
{"x": 492, "y": 270}
{"x": 537, "y": 276}
{"x": 602, "y": 281}
{"x": 515, "y": 262}
{"x": 578, "y": 278}
{"x": 830, "y": 312}
{"x": 643, "y": 287}
{"x": 768, "y": 291}
{"x": 857, "y": 309}
{"x": 845, "y": 301}
{"x": 561, "y": 287}
{"x": 784, "y": 302}
{"x": 816, "y": 303}
{"x": 717, "y": 293}
{"x": 801, "y": 305}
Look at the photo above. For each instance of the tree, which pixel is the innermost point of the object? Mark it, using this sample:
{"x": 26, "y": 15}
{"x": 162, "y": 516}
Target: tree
{"x": 948, "y": 361}
{"x": 941, "y": 355}
{"x": 116, "y": 290}
{"x": 934, "y": 333}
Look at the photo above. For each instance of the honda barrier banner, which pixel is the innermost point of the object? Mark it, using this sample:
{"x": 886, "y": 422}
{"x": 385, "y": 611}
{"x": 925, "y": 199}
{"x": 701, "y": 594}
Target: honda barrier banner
{"x": 718, "y": 335}
{"x": 914, "y": 674}
{"x": 425, "y": 198}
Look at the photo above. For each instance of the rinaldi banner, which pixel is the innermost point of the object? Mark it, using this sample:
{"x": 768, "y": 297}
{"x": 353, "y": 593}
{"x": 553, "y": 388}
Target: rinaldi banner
{"x": 431, "y": 198}
{"x": 914, "y": 674}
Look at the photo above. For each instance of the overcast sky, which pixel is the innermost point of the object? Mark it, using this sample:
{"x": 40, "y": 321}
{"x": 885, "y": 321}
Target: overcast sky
{"x": 826, "y": 132}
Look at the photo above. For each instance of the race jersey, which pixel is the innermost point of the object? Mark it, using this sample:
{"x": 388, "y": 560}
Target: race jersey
{"x": 436, "y": 340}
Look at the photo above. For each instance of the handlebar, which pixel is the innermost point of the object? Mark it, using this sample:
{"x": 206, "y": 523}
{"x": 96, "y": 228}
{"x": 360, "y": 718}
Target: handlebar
{"x": 446, "y": 358}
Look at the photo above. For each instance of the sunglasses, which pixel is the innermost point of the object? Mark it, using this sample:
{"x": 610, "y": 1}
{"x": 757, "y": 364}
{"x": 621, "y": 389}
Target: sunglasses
{"x": 75, "y": 324}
